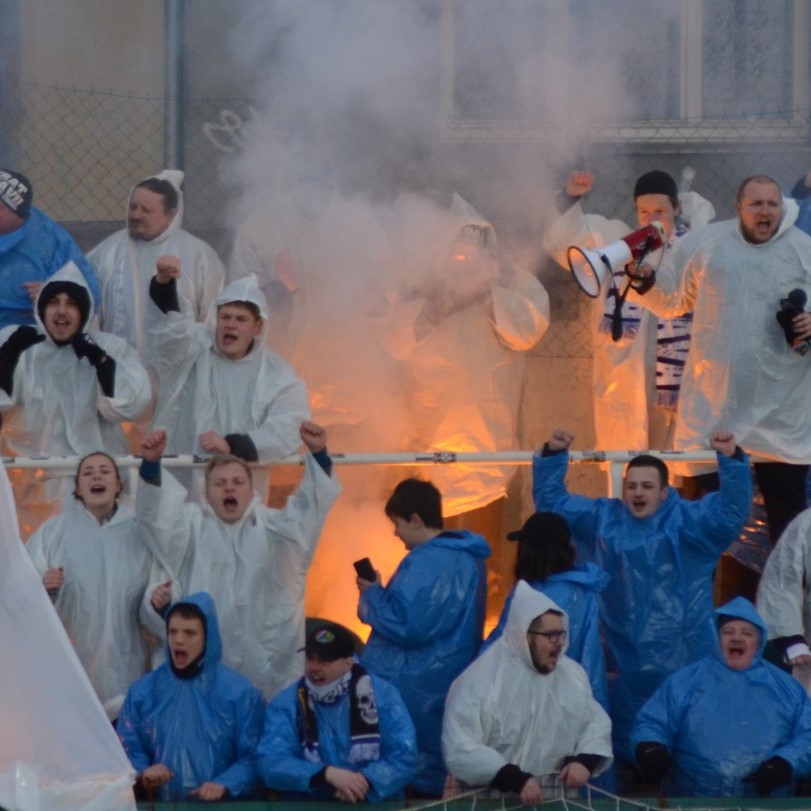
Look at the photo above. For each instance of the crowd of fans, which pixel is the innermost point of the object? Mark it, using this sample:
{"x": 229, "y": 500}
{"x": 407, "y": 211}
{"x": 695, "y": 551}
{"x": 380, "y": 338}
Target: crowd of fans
{"x": 608, "y": 665}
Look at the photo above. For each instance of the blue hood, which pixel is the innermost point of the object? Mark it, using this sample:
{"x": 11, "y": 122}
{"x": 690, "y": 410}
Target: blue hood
{"x": 740, "y": 608}
{"x": 203, "y": 601}
{"x": 462, "y": 540}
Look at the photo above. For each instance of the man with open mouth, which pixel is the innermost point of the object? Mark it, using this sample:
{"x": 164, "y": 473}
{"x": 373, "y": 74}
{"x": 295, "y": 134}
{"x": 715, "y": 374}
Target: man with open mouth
{"x": 660, "y": 551}
{"x": 191, "y": 727}
{"x": 252, "y": 559}
{"x": 729, "y": 725}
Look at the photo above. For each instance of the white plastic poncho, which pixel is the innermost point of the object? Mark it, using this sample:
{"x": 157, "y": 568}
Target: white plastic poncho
{"x": 60, "y": 407}
{"x": 502, "y": 710}
{"x": 58, "y": 751}
{"x": 466, "y": 370}
{"x": 741, "y": 375}
{"x": 255, "y": 569}
{"x": 201, "y": 390}
{"x": 107, "y": 569}
{"x": 784, "y": 595}
{"x": 125, "y": 267}
{"x": 623, "y": 372}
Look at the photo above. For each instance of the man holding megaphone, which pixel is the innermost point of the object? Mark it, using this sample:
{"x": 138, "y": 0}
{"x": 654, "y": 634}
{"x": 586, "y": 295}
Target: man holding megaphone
{"x": 746, "y": 371}
{"x": 637, "y": 361}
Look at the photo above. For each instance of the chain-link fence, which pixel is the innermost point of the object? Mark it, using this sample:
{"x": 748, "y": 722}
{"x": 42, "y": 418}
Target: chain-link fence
{"x": 83, "y": 150}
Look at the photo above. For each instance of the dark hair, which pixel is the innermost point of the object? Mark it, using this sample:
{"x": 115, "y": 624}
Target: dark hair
{"x": 222, "y": 459}
{"x": 755, "y": 179}
{"x": 79, "y": 470}
{"x": 537, "y": 561}
{"x": 537, "y": 620}
{"x": 646, "y": 460}
{"x": 186, "y": 611}
{"x": 416, "y": 496}
{"x": 162, "y": 187}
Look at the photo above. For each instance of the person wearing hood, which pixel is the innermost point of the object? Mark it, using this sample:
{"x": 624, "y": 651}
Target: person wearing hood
{"x": 637, "y": 377}
{"x": 546, "y": 560}
{"x": 251, "y": 558}
{"x": 784, "y": 597}
{"x": 191, "y": 727}
{"x": 660, "y": 551}
{"x": 125, "y": 261}
{"x": 747, "y": 371}
{"x": 427, "y": 621}
{"x": 463, "y": 325}
{"x": 338, "y": 733}
{"x": 221, "y": 390}
{"x": 71, "y": 388}
{"x": 32, "y": 248}
{"x": 64, "y": 391}
{"x": 730, "y": 724}
{"x": 96, "y": 568}
{"x": 522, "y": 719}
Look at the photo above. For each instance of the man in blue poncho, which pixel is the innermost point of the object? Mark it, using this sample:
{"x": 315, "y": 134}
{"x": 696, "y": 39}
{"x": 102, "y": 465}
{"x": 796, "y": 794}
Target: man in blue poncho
{"x": 339, "y": 732}
{"x": 427, "y": 622}
{"x": 731, "y": 724}
{"x": 32, "y": 248}
{"x": 660, "y": 551}
{"x": 191, "y": 727}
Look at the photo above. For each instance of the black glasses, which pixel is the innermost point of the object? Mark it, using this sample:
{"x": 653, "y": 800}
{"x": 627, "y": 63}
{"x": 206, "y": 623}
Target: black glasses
{"x": 551, "y": 636}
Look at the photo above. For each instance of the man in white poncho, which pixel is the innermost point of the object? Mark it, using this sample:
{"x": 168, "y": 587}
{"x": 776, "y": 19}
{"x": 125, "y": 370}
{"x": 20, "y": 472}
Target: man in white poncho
{"x": 252, "y": 559}
{"x": 522, "y": 717}
{"x": 125, "y": 261}
{"x": 221, "y": 390}
{"x": 742, "y": 374}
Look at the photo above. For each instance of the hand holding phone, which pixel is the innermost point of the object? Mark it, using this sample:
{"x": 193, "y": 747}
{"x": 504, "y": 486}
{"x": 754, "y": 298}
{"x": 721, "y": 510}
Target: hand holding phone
{"x": 365, "y": 570}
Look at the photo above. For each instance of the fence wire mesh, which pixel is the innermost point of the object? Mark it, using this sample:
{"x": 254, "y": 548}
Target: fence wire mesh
{"x": 83, "y": 149}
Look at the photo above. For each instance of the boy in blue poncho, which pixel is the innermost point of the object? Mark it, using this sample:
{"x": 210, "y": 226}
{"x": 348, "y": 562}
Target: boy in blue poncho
{"x": 191, "y": 727}
{"x": 427, "y": 622}
{"x": 339, "y": 732}
{"x": 730, "y": 724}
{"x": 660, "y": 551}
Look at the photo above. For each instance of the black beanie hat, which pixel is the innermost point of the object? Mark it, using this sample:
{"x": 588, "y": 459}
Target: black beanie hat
{"x": 656, "y": 182}
{"x": 78, "y": 293}
{"x": 16, "y": 192}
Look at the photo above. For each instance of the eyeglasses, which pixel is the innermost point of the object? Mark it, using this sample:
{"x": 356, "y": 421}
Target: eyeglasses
{"x": 551, "y": 636}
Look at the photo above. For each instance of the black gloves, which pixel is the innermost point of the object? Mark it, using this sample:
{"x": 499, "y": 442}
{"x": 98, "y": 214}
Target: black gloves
{"x": 510, "y": 778}
{"x": 85, "y": 347}
{"x": 792, "y": 306}
{"x": 21, "y": 339}
{"x": 769, "y": 775}
{"x": 653, "y": 759}
{"x": 164, "y": 295}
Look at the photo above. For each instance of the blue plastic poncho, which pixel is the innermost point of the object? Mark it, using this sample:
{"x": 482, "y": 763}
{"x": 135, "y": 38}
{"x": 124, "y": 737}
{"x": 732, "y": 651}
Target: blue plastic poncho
{"x": 720, "y": 724}
{"x": 426, "y": 628}
{"x": 656, "y": 611}
{"x": 33, "y": 253}
{"x": 282, "y": 764}
{"x": 204, "y": 729}
{"x": 576, "y": 593}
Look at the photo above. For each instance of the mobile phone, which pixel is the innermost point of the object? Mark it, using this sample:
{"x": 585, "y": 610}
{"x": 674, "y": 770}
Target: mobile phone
{"x": 365, "y": 570}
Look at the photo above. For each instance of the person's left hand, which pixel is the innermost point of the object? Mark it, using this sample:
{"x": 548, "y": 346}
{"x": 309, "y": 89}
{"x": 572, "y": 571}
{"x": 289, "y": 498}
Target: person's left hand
{"x": 723, "y": 442}
{"x": 212, "y": 442}
{"x": 363, "y": 584}
{"x": 574, "y": 775}
{"x": 209, "y": 792}
{"x": 313, "y": 436}
{"x": 801, "y": 325}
